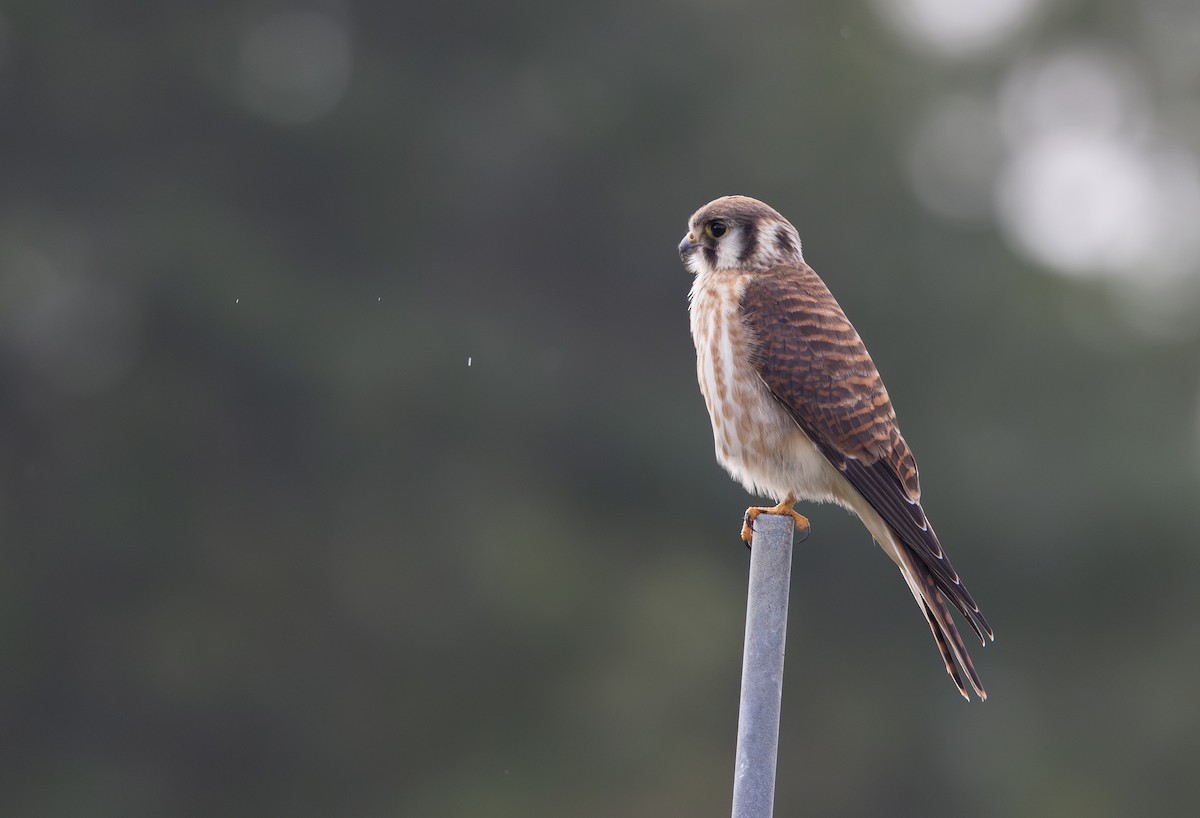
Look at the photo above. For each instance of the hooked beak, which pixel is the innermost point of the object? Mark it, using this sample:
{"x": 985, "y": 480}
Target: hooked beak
{"x": 687, "y": 246}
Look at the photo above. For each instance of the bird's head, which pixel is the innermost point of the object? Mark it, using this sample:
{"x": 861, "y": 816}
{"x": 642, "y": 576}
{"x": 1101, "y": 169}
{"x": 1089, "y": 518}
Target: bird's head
{"x": 738, "y": 232}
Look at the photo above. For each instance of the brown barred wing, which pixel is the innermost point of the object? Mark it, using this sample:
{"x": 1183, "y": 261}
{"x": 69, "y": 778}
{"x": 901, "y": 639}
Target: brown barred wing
{"x": 812, "y": 360}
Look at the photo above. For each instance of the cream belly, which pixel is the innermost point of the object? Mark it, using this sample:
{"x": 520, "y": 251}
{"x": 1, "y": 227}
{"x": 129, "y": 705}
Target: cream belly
{"x": 756, "y": 440}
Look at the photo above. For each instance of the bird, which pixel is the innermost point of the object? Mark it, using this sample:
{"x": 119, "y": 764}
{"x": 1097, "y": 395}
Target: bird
{"x": 799, "y": 411}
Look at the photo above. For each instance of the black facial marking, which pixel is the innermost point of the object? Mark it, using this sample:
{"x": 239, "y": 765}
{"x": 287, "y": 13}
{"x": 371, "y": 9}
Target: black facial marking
{"x": 750, "y": 247}
{"x": 783, "y": 240}
{"x": 710, "y": 255}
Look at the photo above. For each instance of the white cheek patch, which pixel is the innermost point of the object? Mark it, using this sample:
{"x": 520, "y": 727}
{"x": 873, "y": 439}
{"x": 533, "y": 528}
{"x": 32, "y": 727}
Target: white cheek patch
{"x": 729, "y": 250}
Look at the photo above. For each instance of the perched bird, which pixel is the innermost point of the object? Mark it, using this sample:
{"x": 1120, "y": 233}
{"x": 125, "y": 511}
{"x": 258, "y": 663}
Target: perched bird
{"x": 798, "y": 409}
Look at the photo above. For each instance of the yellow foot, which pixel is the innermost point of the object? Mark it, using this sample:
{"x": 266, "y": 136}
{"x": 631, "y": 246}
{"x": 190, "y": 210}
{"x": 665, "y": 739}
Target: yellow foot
{"x": 784, "y": 508}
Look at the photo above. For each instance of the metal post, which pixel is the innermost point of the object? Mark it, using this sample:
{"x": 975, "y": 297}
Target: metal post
{"x": 762, "y": 667}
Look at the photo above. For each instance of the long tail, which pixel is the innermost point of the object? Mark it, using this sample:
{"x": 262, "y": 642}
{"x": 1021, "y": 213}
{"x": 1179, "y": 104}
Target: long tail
{"x": 930, "y": 592}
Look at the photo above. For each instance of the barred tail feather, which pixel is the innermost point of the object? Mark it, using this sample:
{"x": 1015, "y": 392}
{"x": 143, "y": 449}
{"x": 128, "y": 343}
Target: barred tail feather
{"x": 944, "y": 649}
{"x": 927, "y": 592}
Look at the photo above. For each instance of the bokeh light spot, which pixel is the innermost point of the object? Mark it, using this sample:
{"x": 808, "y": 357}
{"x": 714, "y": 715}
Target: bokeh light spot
{"x": 77, "y": 334}
{"x": 954, "y": 159}
{"x": 1081, "y": 204}
{"x": 954, "y": 28}
{"x": 295, "y": 66}
{"x": 1081, "y": 89}
{"x": 1093, "y": 188}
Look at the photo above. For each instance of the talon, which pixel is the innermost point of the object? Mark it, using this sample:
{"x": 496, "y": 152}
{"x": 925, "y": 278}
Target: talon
{"x": 748, "y": 524}
{"x": 803, "y": 529}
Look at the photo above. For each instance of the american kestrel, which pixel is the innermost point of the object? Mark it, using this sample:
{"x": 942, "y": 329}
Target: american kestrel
{"x": 798, "y": 409}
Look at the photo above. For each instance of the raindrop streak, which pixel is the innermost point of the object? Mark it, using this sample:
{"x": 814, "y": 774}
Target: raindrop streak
{"x": 468, "y": 360}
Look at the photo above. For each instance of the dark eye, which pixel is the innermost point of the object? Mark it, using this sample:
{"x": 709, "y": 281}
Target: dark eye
{"x": 716, "y": 229}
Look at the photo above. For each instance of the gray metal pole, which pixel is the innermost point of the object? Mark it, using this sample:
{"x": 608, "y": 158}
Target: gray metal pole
{"x": 762, "y": 667}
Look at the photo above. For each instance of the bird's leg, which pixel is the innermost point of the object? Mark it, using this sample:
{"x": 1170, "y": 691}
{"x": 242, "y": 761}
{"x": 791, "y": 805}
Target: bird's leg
{"x": 784, "y": 508}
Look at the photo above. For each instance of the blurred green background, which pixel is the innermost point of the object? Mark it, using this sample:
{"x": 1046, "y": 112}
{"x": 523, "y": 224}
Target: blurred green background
{"x": 351, "y": 456}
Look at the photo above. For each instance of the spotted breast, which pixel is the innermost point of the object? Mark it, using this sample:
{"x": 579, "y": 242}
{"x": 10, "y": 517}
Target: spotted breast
{"x": 756, "y": 440}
